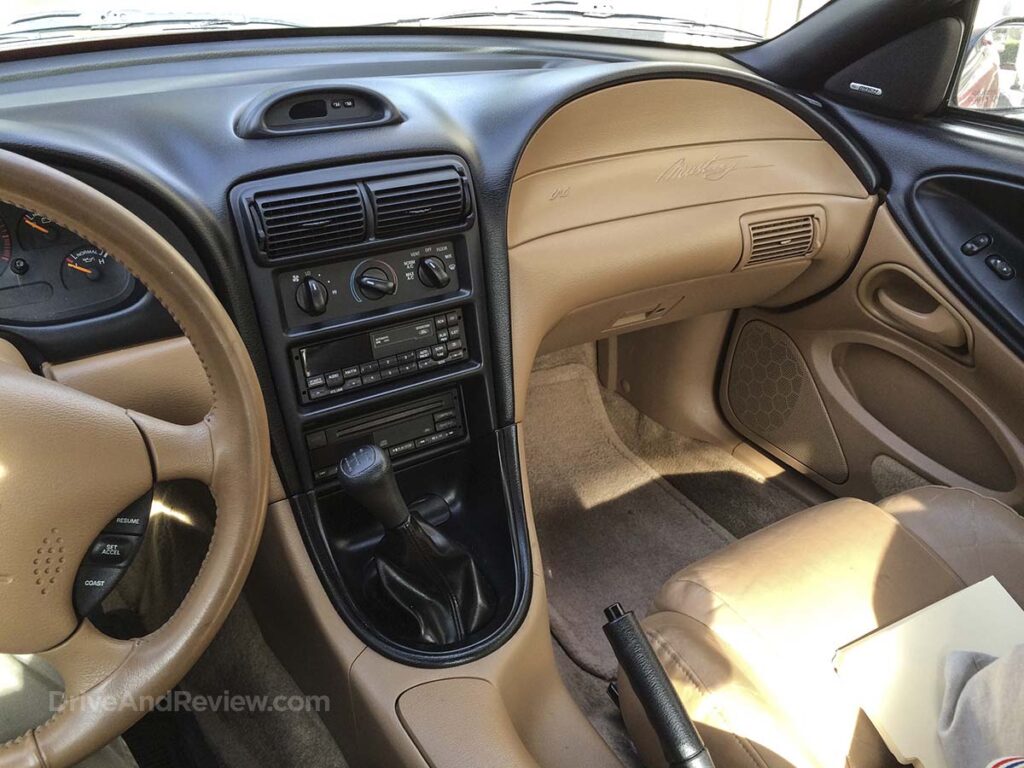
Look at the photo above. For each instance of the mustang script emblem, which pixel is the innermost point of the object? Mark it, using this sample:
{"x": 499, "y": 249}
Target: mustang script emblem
{"x": 713, "y": 169}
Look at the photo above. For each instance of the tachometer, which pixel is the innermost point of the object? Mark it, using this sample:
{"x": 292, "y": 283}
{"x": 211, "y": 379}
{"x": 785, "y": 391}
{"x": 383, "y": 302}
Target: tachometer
{"x": 5, "y": 247}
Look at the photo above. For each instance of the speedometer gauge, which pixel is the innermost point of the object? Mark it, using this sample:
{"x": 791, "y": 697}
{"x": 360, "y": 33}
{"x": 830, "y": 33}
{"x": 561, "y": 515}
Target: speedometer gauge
{"x": 5, "y": 247}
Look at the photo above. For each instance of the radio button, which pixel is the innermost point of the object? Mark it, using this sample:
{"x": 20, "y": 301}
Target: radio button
{"x": 427, "y": 364}
{"x": 316, "y": 440}
{"x": 455, "y": 332}
{"x": 459, "y": 354}
{"x": 453, "y": 317}
{"x": 351, "y": 384}
{"x": 441, "y": 321}
{"x": 454, "y": 344}
{"x": 371, "y": 378}
{"x": 423, "y": 354}
{"x": 350, "y": 372}
{"x": 334, "y": 379}
{"x": 388, "y": 373}
{"x": 407, "y": 357}
{"x": 388, "y": 362}
{"x": 444, "y": 415}
{"x": 443, "y": 425}
{"x": 407, "y": 368}
{"x": 316, "y": 394}
{"x": 402, "y": 448}
{"x": 315, "y": 381}
{"x": 368, "y": 367}
{"x": 438, "y": 352}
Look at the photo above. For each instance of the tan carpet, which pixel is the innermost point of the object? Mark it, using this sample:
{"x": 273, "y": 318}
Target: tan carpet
{"x": 610, "y": 527}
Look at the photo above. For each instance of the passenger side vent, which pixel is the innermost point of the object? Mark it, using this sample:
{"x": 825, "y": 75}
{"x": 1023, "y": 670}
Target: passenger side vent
{"x": 781, "y": 239}
{"x": 418, "y": 202}
{"x": 308, "y": 220}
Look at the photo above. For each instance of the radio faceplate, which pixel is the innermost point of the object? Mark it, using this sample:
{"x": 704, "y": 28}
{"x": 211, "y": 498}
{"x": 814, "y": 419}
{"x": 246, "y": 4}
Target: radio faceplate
{"x": 377, "y": 357}
{"x": 402, "y": 431}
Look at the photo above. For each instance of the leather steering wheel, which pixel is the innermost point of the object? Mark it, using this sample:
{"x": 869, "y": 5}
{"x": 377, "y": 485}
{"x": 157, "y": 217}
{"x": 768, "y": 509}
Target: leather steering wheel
{"x": 53, "y": 504}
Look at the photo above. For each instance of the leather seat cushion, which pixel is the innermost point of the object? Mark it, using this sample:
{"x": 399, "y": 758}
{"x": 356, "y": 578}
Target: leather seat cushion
{"x": 748, "y": 634}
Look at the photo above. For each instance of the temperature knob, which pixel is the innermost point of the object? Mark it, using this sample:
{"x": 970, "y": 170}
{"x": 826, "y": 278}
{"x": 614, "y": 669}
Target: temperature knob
{"x": 375, "y": 283}
{"x": 311, "y": 296}
{"x": 433, "y": 273}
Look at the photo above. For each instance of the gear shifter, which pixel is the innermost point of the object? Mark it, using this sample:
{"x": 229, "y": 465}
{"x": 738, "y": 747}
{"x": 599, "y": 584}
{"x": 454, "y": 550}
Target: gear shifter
{"x": 426, "y": 588}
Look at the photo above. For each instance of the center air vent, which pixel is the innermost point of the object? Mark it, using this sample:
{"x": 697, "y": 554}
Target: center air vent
{"x": 781, "y": 239}
{"x": 418, "y": 202}
{"x": 308, "y": 220}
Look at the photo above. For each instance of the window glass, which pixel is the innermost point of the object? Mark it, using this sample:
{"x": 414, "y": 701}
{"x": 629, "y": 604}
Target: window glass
{"x": 704, "y": 23}
{"x": 992, "y": 77}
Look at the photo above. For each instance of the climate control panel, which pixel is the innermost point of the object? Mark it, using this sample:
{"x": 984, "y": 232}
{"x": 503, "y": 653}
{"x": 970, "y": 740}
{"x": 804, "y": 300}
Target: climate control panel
{"x": 339, "y": 289}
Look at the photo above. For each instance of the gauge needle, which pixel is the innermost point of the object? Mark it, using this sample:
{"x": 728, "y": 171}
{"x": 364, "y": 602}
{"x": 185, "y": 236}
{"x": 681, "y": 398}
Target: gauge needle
{"x": 32, "y": 224}
{"x": 80, "y": 269}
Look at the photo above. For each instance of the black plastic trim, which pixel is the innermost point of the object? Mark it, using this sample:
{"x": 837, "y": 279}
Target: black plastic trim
{"x": 307, "y": 516}
{"x": 252, "y": 123}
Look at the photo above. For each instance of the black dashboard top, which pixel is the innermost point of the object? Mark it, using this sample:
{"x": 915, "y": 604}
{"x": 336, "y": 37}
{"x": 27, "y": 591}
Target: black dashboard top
{"x": 160, "y": 126}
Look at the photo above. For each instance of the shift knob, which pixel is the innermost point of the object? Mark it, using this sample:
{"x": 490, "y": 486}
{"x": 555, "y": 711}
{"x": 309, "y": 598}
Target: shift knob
{"x": 366, "y": 475}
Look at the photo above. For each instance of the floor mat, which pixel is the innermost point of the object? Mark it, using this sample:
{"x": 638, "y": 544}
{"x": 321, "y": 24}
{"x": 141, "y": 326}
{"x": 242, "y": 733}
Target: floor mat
{"x": 733, "y": 494}
{"x": 610, "y": 527}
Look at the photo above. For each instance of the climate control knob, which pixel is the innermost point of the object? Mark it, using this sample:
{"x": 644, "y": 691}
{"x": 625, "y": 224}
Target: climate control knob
{"x": 311, "y": 296}
{"x": 433, "y": 273}
{"x": 374, "y": 283}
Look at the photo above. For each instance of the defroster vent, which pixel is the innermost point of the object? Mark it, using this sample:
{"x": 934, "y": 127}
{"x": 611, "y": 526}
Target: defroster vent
{"x": 418, "y": 202}
{"x": 308, "y": 220}
{"x": 781, "y": 239}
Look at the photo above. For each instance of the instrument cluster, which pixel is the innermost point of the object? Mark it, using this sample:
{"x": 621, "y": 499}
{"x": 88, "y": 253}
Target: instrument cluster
{"x": 49, "y": 274}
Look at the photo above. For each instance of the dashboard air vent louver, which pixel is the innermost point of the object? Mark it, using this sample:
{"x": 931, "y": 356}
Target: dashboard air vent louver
{"x": 418, "y": 202}
{"x": 781, "y": 239}
{"x": 309, "y": 220}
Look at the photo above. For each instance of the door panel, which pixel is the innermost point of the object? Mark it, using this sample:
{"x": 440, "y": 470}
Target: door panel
{"x": 904, "y": 401}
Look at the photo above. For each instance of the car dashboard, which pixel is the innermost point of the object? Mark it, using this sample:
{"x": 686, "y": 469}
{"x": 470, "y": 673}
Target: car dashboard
{"x": 356, "y": 205}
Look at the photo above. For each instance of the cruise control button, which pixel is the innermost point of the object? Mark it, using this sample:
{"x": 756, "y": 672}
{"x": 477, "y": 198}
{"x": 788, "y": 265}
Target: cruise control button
{"x": 133, "y": 519}
{"x": 113, "y": 550}
{"x": 92, "y": 584}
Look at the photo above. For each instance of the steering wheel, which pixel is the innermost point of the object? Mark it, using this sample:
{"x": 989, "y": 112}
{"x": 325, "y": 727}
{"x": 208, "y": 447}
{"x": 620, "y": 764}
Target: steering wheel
{"x": 53, "y": 504}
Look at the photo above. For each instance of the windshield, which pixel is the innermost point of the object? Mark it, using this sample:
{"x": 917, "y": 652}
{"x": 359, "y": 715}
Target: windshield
{"x": 707, "y": 23}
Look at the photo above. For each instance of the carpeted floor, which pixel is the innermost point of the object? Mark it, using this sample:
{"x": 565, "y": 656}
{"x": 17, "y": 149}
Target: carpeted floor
{"x": 621, "y": 504}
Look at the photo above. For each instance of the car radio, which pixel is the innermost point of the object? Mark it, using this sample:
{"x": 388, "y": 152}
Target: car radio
{"x": 379, "y": 356}
{"x": 402, "y": 431}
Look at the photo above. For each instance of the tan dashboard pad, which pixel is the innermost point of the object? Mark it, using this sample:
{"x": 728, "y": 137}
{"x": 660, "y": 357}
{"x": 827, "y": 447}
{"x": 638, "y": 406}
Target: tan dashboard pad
{"x": 648, "y": 184}
{"x": 70, "y": 461}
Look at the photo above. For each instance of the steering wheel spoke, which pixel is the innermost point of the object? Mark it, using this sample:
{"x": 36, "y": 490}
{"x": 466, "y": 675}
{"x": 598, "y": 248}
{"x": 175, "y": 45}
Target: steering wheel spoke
{"x": 86, "y": 659}
{"x": 177, "y": 452}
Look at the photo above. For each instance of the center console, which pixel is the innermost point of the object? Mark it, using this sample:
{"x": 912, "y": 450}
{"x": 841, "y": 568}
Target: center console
{"x": 368, "y": 280}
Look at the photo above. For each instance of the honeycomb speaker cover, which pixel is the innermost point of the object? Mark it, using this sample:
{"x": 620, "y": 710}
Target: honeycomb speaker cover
{"x": 773, "y": 397}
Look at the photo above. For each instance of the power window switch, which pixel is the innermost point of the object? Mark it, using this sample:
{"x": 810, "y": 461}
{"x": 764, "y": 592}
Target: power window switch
{"x": 976, "y": 244}
{"x": 1003, "y": 269}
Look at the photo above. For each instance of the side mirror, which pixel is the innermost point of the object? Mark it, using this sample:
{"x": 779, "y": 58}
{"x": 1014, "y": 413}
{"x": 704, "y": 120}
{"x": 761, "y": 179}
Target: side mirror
{"x": 992, "y": 76}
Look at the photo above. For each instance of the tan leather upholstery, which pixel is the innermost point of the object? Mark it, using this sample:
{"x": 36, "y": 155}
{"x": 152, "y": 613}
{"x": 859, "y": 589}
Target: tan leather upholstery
{"x": 748, "y": 634}
{"x": 229, "y": 450}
